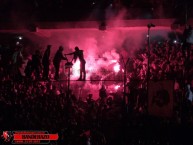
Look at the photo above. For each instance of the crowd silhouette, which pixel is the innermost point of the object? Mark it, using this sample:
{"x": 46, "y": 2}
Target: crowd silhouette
{"x": 34, "y": 102}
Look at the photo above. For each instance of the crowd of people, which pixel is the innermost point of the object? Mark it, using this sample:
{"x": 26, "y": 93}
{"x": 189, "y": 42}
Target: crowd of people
{"x": 166, "y": 61}
{"x": 38, "y": 65}
{"x": 46, "y": 106}
{"x": 39, "y": 104}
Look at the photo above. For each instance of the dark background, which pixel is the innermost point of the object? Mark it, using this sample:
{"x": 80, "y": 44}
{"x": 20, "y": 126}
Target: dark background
{"x": 76, "y": 10}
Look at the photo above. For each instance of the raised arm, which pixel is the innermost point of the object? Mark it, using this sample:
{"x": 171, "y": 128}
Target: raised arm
{"x": 70, "y": 53}
{"x": 64, "y": 57}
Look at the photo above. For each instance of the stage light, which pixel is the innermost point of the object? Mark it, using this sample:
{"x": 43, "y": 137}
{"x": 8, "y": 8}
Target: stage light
{"x": 175, "y": 41}
{"x": 20, "y": 37}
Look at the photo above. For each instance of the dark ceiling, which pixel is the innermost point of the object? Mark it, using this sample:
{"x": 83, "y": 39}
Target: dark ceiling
{"x": 78, "y": 10}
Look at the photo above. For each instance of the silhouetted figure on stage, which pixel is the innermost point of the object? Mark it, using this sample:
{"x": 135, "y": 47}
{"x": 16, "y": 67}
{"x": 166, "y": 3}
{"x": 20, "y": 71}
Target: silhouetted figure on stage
{"x": 57, "y": 59}
{"x": 186, "y": 47}
{"x": 36, "y": 64}
{"x": 46, "y": 62}
{"x": 5, "y": 62}
{"x": 17, "y": 61}
{"x": 28, "y": 69}
{"x": 186, "y": 44}
{"x": 79, "y": 54}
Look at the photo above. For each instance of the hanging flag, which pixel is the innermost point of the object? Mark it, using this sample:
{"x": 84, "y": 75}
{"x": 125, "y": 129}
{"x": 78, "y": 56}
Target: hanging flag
{"x": 160, "y": 98}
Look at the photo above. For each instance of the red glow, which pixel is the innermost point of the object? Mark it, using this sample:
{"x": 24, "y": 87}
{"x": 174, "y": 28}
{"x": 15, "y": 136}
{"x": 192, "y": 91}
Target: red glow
{"x": 116, "y": 67}
{"x": 76, "y": 70}
{"x": 104, "y": 52}
{"x": 117, "y": 87}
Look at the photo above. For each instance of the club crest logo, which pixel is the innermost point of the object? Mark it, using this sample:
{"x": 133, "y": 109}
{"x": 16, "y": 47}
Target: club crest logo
{"x": 7, "y": 136}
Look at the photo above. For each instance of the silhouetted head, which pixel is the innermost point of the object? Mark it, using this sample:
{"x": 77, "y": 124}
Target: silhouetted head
{"x": 76, "y": 48}
{"x": 103, "y": 87}
{"x": 37, "y": 52}
{"x": 49, "y": 46}
{"x": 90, "y": 96}
{"x": 61, "y": 48}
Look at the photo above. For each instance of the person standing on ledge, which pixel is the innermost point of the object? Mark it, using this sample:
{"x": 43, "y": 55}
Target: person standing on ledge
{"x": 46, "y": 62}
{"x": 57, "y": 59}
{"x": 79, "y": 54}
{"x": 36, "y": 64}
